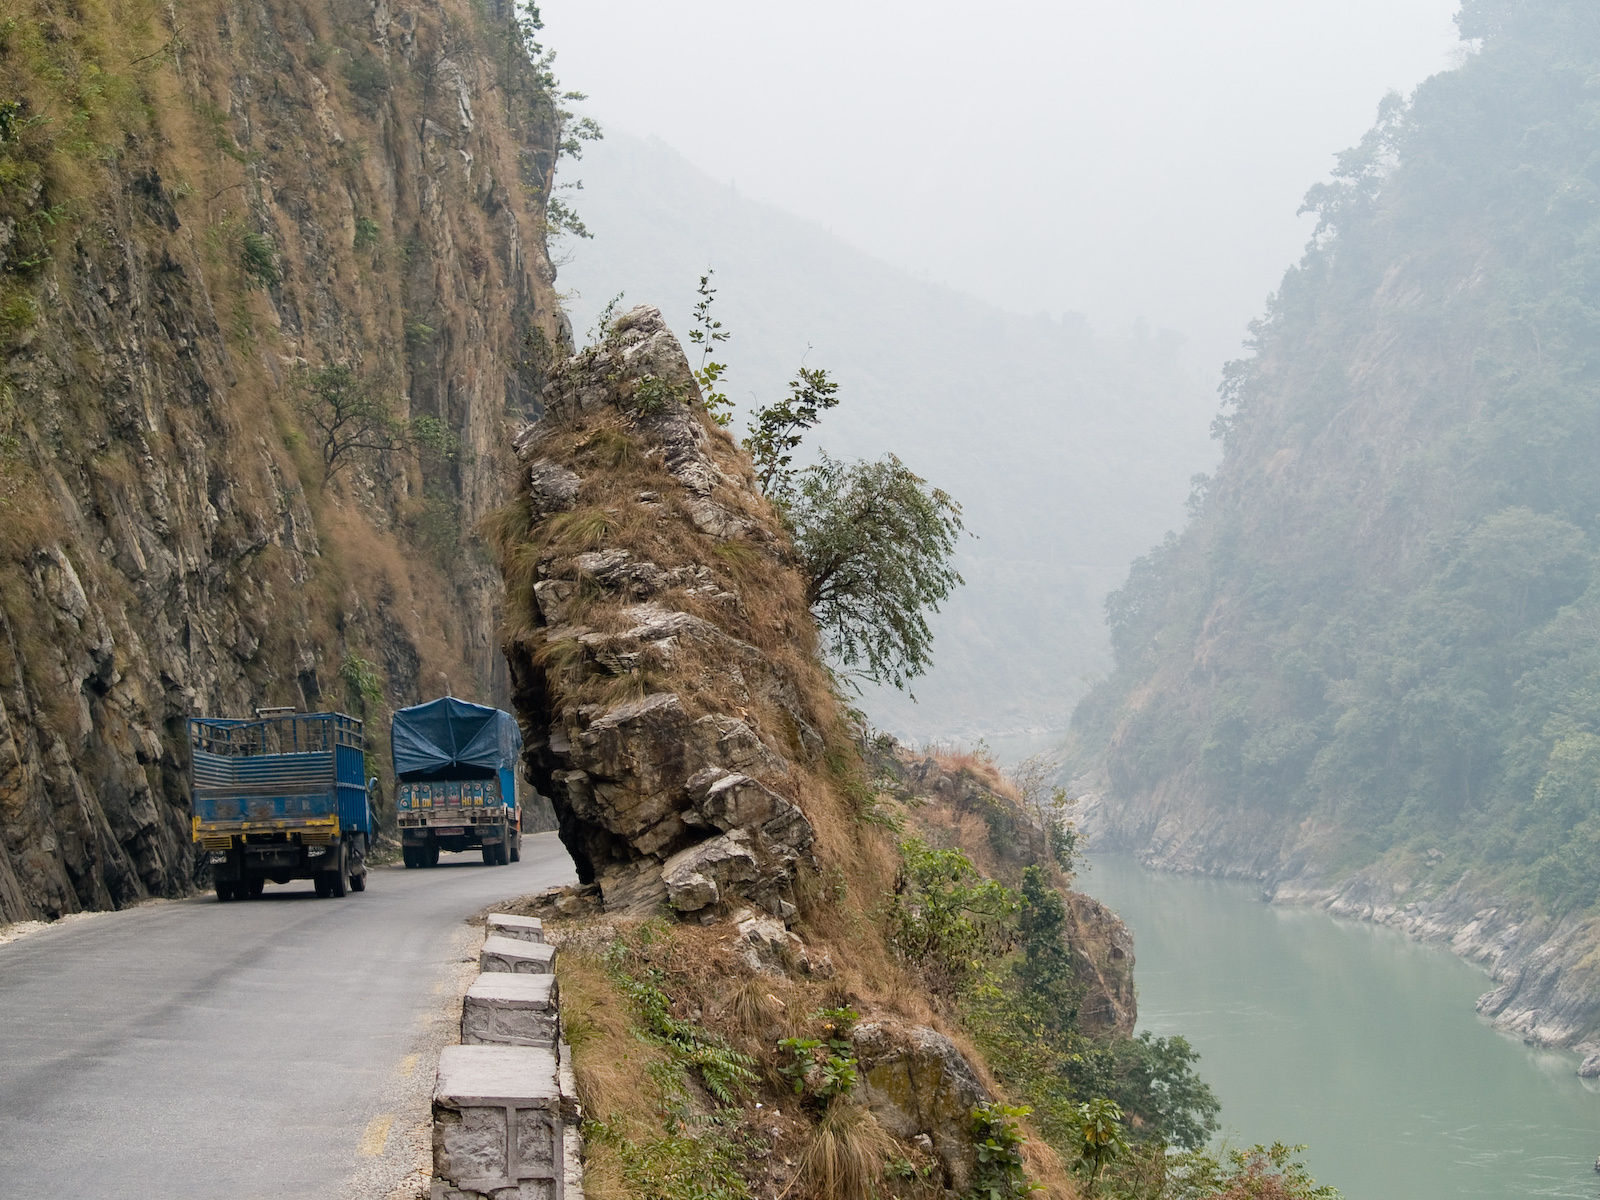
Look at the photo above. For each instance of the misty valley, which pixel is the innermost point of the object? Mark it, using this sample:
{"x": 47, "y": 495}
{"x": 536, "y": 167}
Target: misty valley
{"x": 684, "y": 602}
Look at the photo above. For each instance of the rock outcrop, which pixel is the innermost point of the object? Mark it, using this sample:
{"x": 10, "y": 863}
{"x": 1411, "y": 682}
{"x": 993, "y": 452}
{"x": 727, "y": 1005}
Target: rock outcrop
{"x": 284, "y": 187}
{"x": 660, "y": 726}
{"x": 918, "y": 1084}
{"x": 942, "y": 795}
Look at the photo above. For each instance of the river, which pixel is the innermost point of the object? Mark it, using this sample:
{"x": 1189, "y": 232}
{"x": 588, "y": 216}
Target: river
{"x": 1354, "y": 1039}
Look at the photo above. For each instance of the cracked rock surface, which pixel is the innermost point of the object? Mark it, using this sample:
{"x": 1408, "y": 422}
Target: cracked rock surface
{"x": 656, "y": 625}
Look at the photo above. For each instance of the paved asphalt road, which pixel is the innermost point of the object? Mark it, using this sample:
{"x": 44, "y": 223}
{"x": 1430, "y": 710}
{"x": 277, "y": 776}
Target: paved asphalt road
{"x": 265, "y": 1048}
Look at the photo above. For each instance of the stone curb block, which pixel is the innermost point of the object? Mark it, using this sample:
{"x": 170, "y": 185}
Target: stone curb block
{"x": 524, "y": 929}
{"x": 511, "y": 1010}
{"x": 517, "y": 957}
{"x": 498, "y": 1129}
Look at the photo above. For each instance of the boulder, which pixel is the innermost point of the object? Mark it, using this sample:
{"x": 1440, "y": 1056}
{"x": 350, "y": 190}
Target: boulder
{"x": 552, "y": 488}
{"x": 696, "y": 878}
{"x": 917, "y": 1082}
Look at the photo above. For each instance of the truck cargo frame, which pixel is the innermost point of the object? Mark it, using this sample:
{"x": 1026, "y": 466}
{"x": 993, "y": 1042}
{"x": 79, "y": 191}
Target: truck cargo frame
{"x": 281, "y": 797}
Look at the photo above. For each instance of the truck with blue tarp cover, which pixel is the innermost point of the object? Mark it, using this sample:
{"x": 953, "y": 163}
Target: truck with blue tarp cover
{"x": 281, "y": 797}
{"x": 455, "y": 766}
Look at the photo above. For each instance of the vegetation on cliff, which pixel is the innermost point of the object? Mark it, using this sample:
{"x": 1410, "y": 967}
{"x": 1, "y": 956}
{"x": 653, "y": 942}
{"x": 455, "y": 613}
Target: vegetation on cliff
{"x": 218, "y": 222}
{"x": 1378, "y": 634}
{"x": 798, "y": 961}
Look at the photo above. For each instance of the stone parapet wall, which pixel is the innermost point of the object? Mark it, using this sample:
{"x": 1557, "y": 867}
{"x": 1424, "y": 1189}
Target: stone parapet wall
{"x": 505, "y": 1108}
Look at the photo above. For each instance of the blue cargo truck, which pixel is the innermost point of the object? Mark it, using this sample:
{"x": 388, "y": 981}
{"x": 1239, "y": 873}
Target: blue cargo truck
{"x": 281, "y": 797}
{"x": 455, "y": 766}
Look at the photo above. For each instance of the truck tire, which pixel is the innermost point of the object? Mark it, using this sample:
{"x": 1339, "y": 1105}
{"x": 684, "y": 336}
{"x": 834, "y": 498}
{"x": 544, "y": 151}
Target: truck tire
{"x": 251, "y": 889}
{"x": 432, "y": 852}
{"x": 224, "y": 892}
{"x": 502, "y": 852}
{"x": 337, "y": 885}
{"x": 516, "y": 849}
{"x": 358, "y": 869}
{"x": 489, "y": 856}
{"x": 321, "y": 884}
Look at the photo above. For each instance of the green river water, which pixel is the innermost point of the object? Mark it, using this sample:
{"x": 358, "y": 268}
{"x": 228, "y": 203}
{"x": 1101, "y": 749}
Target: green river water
{"x": 1354, "y": 1039}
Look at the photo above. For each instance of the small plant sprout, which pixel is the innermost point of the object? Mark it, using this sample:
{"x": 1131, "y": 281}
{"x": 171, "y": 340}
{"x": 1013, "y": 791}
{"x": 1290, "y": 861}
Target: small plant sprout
{"x": 779, "y": 427}
{"x": 707, "y": 332}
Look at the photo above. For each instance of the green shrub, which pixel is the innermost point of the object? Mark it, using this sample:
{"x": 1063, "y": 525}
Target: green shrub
{"x": 367, "y": 76}
{"x": 998, "y": 1139}
{"x": 258, "y": 258}
{"x": 653, "y": 395}
{"x": 945, "y": 917}
{"x": 823, "y": 1069}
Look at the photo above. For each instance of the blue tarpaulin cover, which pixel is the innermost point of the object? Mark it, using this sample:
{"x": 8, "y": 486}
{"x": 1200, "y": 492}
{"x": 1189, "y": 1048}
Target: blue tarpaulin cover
{"x": 448, "y": 735}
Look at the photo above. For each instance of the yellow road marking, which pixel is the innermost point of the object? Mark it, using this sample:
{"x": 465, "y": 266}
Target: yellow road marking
{"x": 407, "y": 1065}
{"x": 377, "y": 1134}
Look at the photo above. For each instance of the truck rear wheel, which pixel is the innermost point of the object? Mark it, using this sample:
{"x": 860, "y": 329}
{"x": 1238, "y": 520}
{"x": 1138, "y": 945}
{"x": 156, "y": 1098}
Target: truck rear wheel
{"x": 224, "y": 892}
{"x": 516, "y": 848}
{"x": 432, "y": 852}
{"x": 321, "y": 884}
{"x": 358, "y": 869}
{"x": 251, "y": 889}
{"x": 489, "y": 857}
{"x": 337, "y": 885}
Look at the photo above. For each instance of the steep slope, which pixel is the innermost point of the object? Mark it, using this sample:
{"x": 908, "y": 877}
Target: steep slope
{"x": 1053, "y": 418}
{"x": 202, "y": 207}
{"x": 1367, "y": 670}
{"x": 803, "y": 958}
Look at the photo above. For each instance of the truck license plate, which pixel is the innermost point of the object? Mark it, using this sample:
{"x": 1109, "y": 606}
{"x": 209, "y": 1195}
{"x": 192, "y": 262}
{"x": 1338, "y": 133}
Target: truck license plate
{"x": 449, "y": 832}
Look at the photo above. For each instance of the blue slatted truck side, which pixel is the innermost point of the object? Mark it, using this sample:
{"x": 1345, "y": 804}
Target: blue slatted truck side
{"x": 280, "y": 798}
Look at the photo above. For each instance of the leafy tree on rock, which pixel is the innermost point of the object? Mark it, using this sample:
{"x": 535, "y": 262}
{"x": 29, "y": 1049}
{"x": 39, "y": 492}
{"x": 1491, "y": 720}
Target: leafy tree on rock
{"x": 876, "y": 542}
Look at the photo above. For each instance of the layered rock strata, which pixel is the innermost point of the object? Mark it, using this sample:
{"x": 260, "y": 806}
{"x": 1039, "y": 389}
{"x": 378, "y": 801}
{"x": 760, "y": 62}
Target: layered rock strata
{"x": 166, "y": 549}
{"x": 664, "y": 734}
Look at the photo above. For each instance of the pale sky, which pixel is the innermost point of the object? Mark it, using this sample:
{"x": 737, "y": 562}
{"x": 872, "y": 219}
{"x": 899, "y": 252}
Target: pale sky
{"x": 1136, "y": 159}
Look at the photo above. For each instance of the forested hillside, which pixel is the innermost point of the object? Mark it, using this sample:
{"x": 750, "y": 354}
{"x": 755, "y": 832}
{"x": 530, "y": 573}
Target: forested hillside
{"x": 1381, "y": 634}
{"x": 1053, "y": 418}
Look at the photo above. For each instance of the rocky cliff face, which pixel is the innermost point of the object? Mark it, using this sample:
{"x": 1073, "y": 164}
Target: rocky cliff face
{"x": 662, "y": 699}
{"x": 248, "y": 193}
{"x": 665, "y": 670}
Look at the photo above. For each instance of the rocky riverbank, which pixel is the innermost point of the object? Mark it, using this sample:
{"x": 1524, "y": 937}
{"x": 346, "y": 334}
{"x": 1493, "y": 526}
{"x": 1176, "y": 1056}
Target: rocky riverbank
{"x": 1545, "y": 971}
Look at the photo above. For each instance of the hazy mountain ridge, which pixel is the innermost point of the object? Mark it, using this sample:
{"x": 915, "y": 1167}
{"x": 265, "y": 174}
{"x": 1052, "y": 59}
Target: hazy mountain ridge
{"x": 1052, "y": 418}
{"x": 1367, "y": 671}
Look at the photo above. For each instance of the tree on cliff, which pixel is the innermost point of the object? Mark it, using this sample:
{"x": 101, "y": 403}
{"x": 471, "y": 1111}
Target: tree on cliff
{"x": 876, "y": 542}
